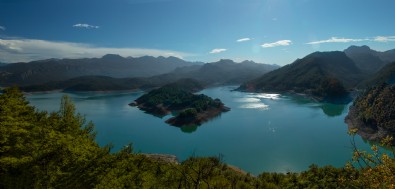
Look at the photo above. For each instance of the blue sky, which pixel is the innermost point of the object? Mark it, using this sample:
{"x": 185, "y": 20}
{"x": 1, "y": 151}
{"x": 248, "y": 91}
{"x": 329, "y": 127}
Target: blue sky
{"x": 267, "y": 31}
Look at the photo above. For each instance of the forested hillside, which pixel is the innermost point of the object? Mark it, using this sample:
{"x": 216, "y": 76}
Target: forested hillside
{"x": 373, "y": 113}
{"x": 326, "y": 76}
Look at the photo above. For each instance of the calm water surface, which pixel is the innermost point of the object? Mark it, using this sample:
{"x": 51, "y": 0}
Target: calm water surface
{"x": 262, "y": 132}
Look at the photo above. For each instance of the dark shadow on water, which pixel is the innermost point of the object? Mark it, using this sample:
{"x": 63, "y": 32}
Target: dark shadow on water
{"x": 329, "y": 109}
{"x": 333, "y": 110}
{"x": 192, "y": 128}
{"x": 189, "y": 128}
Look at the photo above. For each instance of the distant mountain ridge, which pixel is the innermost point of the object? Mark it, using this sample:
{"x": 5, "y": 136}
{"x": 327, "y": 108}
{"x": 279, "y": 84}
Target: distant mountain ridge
{"x": 39, "y": 72}
{"x": 223, "y": 72}
{"x": 369, "y": 60}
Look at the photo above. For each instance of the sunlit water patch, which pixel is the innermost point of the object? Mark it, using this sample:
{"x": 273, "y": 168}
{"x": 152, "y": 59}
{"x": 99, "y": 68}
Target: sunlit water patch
{"x": 247, "y": 100}
{"x": 266, "y": 96}
{"x": 260, "y": 106}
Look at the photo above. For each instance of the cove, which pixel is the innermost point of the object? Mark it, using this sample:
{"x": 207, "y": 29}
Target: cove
{"x": 261, "y": 133}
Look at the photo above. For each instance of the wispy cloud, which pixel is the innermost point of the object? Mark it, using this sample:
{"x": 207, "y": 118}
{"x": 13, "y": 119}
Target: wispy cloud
{"x": 336, "y": 40}
{"x": 146, "y": 1}
{"x": 216, "y": 51}
{"x": 2, "y": 28}
{"x": 384, "y": 38}
{"x": 87, "y": 26}
{"x": 277, "y": 43}
{"x": 24, "y": 50}
{"x": 243, "y": 39}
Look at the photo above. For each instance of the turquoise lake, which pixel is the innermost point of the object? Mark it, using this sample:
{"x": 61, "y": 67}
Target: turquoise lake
{"x": 262, "y": 132}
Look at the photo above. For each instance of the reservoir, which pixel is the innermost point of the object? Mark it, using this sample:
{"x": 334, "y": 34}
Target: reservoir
{"x": 261, "y": 133}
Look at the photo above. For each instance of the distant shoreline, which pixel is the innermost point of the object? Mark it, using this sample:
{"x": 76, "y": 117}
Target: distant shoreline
{"x": 82, "y": 92}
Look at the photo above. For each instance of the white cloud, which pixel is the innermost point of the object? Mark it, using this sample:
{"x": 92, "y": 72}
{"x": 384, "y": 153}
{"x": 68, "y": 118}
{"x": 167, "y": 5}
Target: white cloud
{"x": 336, "y": 40}
{"x": 384, "y": 39}
{"x": 2, "y": 28}
{"x": 216, "y": 51}
{"x": 87, "y": 26}
{"x": 277, "y": 43}
{"x": 24, "y": 50}
{"x": 243, "y": 39}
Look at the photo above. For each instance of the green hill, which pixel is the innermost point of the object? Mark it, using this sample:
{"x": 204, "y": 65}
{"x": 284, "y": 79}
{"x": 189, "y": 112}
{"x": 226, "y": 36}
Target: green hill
{"x": 326, "y": 76}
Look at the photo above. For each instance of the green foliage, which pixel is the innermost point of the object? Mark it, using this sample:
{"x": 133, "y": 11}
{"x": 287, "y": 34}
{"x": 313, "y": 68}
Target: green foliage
{"x": 331, "y": 87}
{"x": 375, "y": 169}
{"x": 43, "y": 150}
{"x": 376, "y": 107}
{"x": 190, "y": 112}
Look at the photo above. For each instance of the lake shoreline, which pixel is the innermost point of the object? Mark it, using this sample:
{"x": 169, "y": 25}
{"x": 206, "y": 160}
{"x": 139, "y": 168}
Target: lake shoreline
{"x": 367, "y": 131}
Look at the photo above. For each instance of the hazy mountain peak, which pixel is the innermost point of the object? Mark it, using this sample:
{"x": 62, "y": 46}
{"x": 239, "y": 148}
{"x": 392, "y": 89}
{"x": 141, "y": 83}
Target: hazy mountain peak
{"x": 248, "y": 62}
{"x": 226, "y": 61}
{"x": 365, "y": 58}
{"x": 112, "y": 57}
{"x": 359, "y": 49}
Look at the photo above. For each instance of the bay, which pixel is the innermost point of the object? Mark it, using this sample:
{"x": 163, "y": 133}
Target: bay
{"x": 261, "y": 133}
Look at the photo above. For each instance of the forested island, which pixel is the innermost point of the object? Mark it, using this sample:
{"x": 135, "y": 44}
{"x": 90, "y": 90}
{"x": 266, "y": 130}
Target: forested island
{"x": 178, "y": 98}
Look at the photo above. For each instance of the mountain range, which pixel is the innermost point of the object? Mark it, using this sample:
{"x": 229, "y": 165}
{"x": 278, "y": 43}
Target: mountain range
{"x": 322, "y": 75}
{"x": 39, "y": 72}
{"x": 223, "y": 72}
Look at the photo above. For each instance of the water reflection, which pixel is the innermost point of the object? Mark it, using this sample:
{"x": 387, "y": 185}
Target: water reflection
{"x": 331, "y": 110}
{"x": 189, "y": 128}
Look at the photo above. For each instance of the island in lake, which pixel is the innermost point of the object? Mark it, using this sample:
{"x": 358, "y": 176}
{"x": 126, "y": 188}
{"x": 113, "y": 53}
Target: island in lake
{"x": 178, "y": 99}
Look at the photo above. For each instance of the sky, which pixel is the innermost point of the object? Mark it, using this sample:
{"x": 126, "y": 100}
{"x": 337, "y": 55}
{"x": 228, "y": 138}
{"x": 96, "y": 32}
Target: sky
{"x": 265, "y": 31}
